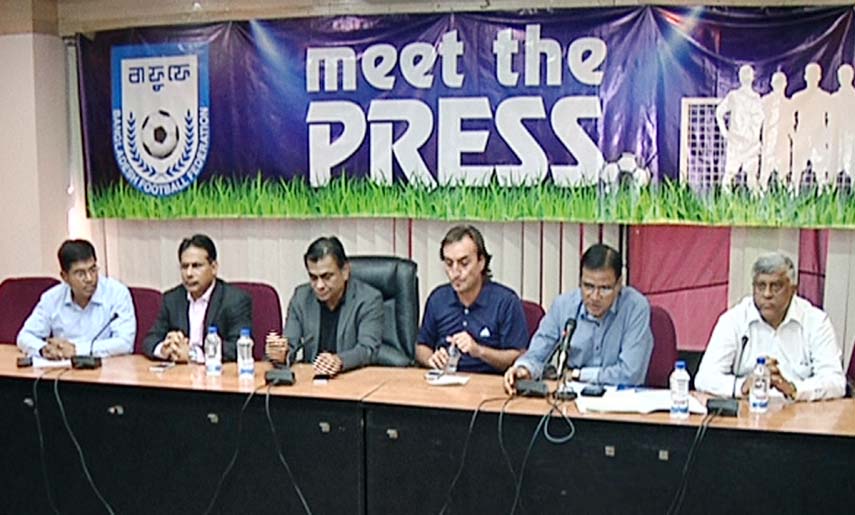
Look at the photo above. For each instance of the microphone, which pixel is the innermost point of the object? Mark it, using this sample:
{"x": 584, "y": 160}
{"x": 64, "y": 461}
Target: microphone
{"x": 569, "y": 329}
{"x": 88, "y": 361}
{"x": 282, "y": 373}
{"x": 736, "y": 365}
{"x": 550, "y": 371}
{"x": 530, "y": 388}
{"x": 729, "y": 407}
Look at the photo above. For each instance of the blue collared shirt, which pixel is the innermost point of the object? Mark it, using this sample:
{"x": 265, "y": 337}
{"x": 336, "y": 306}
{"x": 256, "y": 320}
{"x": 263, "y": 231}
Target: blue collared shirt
{"x": 57, "y": 315}
{"x": 495, "y": 319}
{"x": 615, "y": 350}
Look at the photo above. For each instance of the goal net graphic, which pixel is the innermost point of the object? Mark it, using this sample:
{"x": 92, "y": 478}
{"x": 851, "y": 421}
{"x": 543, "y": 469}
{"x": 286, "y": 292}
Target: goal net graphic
{"x": 702, "y": 146}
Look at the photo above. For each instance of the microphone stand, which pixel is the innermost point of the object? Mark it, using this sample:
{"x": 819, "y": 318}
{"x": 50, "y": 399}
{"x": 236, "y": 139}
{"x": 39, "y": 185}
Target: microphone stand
{"x": 729, "y": 407}
{"x": 531, "y": 388}
{"x": 282, "y": 374}
{"x": 88, "y": 361}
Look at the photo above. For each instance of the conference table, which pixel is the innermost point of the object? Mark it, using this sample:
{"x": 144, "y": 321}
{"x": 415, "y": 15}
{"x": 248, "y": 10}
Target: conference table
{"x": 382, "y": 440}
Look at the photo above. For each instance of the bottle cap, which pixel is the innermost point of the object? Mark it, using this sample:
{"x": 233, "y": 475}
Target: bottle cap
{"x": 245, "y": 332}
{"x": 761, "y": 360}
{"x": 680, "y": 364}
{"x": 212, "y": 329}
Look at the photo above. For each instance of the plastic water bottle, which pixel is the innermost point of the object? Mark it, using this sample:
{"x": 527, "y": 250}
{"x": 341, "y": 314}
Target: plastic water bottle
{"x": 213, "y": 352}
{"x": 758, "y": 397}
{"x": 453, "y": 359}
{"x": 245, "y": 361}
{"x": 680, "y": 391}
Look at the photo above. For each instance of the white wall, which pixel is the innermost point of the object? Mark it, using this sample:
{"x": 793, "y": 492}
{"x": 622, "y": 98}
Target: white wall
{"x": 33, "y": 146}
{"x": 538, "y": 260}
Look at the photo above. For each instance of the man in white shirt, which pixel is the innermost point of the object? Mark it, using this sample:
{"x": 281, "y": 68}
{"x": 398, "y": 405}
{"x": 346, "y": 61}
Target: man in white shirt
{"x": 796, "y": 338}
{"x": 86, "y": 313}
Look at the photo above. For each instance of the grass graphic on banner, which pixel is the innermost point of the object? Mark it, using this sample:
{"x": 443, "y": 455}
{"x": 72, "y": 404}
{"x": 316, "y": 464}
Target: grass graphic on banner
{"x": 664, "y": 202}
{"x": 344, "y": 197}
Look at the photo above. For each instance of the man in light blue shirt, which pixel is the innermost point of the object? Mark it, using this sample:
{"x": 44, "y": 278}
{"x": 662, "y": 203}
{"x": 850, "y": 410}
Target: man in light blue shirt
{"x": 77, "y": 313}
{"x": 612, "y": 342}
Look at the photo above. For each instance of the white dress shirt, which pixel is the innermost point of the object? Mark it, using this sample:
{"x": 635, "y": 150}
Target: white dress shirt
{"x": 57, "y": 315}
{"x": 804, "y": 344}
{"x": 196, "y": 310}
{"x": 196, "y": 319}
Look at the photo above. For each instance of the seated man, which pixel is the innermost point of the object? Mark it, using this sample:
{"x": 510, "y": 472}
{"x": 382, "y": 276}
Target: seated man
{"x": 482, "y": 318}
{"x": 202, "y": 300}
{"x": 796, "y": 338}
{"x": 612, "y": 342}
{"x": 337, "y": 318}
{"x": 82, "y": 312}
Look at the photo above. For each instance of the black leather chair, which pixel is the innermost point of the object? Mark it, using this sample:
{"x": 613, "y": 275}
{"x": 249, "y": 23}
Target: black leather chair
{"x": 397, "y": 280}
{"x": 850, "y": 375}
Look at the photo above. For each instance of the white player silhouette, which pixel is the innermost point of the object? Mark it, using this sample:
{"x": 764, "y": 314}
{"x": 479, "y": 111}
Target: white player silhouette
{"x": 841, "y": 124}
{"x": 743, "y": 132}
{"x": 810, "y": 137}
{"x": 777, "y": 131}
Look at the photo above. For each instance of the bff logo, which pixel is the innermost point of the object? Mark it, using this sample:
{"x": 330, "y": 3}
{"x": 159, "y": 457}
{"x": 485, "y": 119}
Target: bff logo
{"x": 161, "y": 129}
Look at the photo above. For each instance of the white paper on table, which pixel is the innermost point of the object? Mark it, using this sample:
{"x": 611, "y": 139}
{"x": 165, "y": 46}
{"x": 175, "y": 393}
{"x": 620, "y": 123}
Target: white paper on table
{"x": 448, "y": 380}
{"x": 40, "y": 362}
{"x": 641, "y": 400}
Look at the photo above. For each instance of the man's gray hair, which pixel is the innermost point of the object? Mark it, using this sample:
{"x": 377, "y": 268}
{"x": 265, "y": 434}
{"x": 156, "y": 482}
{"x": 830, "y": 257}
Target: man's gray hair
{"x": 773, "y": 263}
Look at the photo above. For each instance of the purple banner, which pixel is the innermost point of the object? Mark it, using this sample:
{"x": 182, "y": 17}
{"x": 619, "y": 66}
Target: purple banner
{"x": 570, "y": 98}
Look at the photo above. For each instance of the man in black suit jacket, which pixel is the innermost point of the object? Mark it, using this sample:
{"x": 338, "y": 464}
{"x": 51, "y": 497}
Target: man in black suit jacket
{"x": 202, "y": 300}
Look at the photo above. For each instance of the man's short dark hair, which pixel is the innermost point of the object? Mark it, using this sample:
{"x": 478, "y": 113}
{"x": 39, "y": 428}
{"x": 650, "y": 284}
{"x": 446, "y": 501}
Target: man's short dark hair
{"x": 602, "y": 257}
{"x": 72, "y": 251}
{"x": 457, "y": 233}
{"x": 323, "y": 247}
{"x": 200, "y": 241}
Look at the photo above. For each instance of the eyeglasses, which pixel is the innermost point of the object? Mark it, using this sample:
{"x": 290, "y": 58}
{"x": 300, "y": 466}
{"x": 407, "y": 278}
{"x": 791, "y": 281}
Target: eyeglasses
{"x": 775, "y": 287}
{"x": 84, "y": 273}
{"x": 589, "y": 289}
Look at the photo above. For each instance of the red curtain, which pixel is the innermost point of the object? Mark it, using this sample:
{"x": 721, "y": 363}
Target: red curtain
{"x": 813, "y": 253}
{"x": 685, "y": 270}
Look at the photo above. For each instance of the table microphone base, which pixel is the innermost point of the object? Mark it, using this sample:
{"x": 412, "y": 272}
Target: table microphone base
{"x": 724, "y": 407}
{"x": 85, "y": 362}
{"x": 529, "y": 388}
{"x": 280, "y": 376}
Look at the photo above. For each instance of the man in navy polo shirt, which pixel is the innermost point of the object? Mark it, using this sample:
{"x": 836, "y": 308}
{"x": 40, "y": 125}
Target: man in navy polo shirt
{"x": 482, "y": 318}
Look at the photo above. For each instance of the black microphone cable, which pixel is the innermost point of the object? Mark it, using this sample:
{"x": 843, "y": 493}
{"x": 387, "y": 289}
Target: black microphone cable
{"x": 543, "y": 424}
{"x": 518, "y": 487}
{"x": 505, "y": 453}
{"x": 279, "y": 452}
{"x": 463, "y": 452}
{"x": 77, "y": 444}
{"x": 501, "y": 436}
{"x": 555, "y": 407}
{"x": 232, "y": 462}
{"x": 40, "y": 434}
{"x": 677, "y": 501}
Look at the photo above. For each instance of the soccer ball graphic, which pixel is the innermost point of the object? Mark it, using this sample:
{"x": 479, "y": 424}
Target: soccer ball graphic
{"x": 626, "y": 169}
{"x": 159, "y": 134}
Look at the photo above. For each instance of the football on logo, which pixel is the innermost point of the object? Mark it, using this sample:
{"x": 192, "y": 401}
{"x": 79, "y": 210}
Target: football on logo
{"x": 159, "y": 134}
